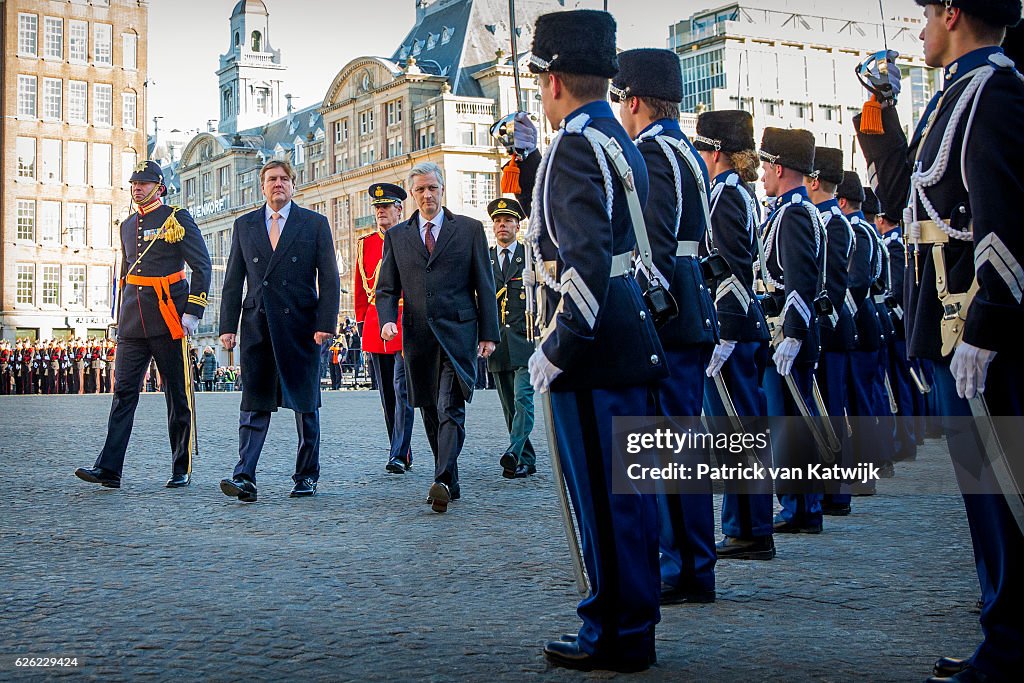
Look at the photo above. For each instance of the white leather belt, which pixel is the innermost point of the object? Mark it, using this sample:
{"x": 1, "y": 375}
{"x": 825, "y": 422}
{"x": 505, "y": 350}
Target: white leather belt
{"x": 622, "y": 264}
{"x": 687, "y": 248}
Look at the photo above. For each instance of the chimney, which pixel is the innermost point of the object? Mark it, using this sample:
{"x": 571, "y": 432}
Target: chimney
{"x": 289, "y": 107}
{"x": 421, "y": 9}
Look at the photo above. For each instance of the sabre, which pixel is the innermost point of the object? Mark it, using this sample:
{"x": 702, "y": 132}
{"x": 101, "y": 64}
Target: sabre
{"x": 995, "y": 455}
{"x": 730, "y": 412}
{"x": 830, "y": 434}
{"x": 515, "y": 55}
{"x": 922, "y": 386}
{"x": 893, "y": 408}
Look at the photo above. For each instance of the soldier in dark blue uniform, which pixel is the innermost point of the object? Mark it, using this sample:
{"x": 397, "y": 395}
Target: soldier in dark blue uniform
{"x": 508, "y": 363}
{"x": 159, "y": 309}
{"x": 725, "y": 141}
{"x": 794, "y": 248}
{"x": 907, "y": 398}
{"x": 862, "y": 376}
{"x": 581, "y": 225}
{"x": 648, "y": 88}
{"x": 964, "y": 280}
{"x": 838, "y": 332}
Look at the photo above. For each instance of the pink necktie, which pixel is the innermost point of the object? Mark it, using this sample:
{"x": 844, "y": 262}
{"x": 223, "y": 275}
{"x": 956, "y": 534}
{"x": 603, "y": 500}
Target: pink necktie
{"x": 428, "y": 237}
{"x": 275, "y": 230}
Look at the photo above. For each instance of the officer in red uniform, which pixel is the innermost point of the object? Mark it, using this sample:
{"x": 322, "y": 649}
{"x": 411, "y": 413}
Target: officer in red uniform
{"x": 386, "y": 358}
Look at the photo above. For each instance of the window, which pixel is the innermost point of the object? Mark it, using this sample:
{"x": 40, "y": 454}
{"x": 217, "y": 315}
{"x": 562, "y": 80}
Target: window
{"x": 341, "y": 162}
{"x": 77, "y": 101}
{"x": 257, "y": 41}
{"x": 102, "y": 39}
{"x": 702, "y": 73}
{"x": 27, "y": 220}
{"x": 262, "y": 100}
{"x": 78, "y": 41}
{"x": 128, "y": 119}
{"x": 367, "y": 155}
{"x": 394, "y": 110}
{"x": 50, "y": 285}
{"x": 26, "y": 96}
{"x": 224, "y": 180}
{"x": 298, "y": 153}
{"x": 76, "y": 223}
{"x": 100, "y": 284}
{"x": 52, "y": 96}
{"x": 128, "y": 160}
{"x": 190, "y": 189}
{"x": 207, "y": 183}
{"x": 76, "y": 163}
{"x": 102, "y": 104}
{"x": 74, "y": 285}
{"x": 28, "y": 35}
{"x": 129, "y": 47}
{"x": 446, "y": 35}
{"x": 478, "y": 189}
{"x": 101, "y": 225}
{"x": 51, "y": 160}
{"x": 101, "y": 164}
{"x": 341, "y": 131}
{"x": 53, "y": 38}
{"x": 394, "y": 146}
{"x": 431, "y": 41}
{"x": 426, "y": 137}
{"x": 26, "y": 283}
{"x": 49, "y": 222}
{"x": 26, "y": 152}
{"x": 771, "y": 107}
{"x": 366, "y": 122}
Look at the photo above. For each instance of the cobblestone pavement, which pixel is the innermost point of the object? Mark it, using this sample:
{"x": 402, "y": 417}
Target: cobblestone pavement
{"x": 363, "y": 582}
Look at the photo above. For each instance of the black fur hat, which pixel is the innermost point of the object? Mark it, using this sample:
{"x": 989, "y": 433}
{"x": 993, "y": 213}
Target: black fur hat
{"x": 790, "y": 148}
{"x": 828, "y": 164}
{"x": 851, "y": 188}
{"x": 871, "y": 205}
{"x": 577, "y": 42}
{"x": 725, "y": 131}
{"x": 995, "y": 12}
{"x": 648, "y": 72}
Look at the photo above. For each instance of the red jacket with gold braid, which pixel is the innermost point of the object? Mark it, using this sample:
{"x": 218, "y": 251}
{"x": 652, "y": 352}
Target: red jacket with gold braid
{"x": 369, "y": 254}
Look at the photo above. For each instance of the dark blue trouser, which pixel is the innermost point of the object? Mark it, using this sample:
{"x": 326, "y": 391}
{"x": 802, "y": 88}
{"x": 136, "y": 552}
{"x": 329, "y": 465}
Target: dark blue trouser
{"x": 445, "y": 424}
{"x": 389, "y": 375}
{"x": 686, "y": 521}
{"x": 833, "y": 370}
{"x": 130, "y": 363}
{"x": 997, "y": 539}
{"x": 252, "y": 434}
{"x": 793, "y": 440}
{"x": 903, "y": 391}
{"x": 748, "y": 514}
{"x": 619, "y": 532}
{"x": 868, "y": 437}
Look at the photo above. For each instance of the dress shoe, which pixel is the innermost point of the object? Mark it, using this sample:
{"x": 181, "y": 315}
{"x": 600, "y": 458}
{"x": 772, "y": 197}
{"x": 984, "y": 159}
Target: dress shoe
{"x": 509, "y": 463}
{"x": 439, "y": 496}
{"x": 570, "y": 656}
{"x": 758, "y": 548}
{"x": 395, "y": 466}
{"x": 671, "y": 595}
{"x": 886, "y": 470}
{"x": 782, "y": 526}
{"x": 833, "y": 510}
{"x": 524, "y": 471}
{"x": 978, "y": 606}
{"x": 303, "y": 488}
{"x": 573, "y": 637}
{"x": 950, "y": 666}
{"x": 178, "y": 481}
{"x": 243, "y": 489}
{"x": 455, "y": 490}
{"x": 98, "y": 475}
{"x": 968, "y": 675}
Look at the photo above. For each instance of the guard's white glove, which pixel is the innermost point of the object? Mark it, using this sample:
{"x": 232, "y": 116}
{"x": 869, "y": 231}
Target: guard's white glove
{"x": 529, "y": 277}
{"x": 785, "y": 354}
{"x": 524, "y": 134}
{"x": 721, "y": 354}
{"x": 895, "y": 77}
{"x": 542, "y": 371}
{"x": 969, "y": 368}
{"x": 190, "y": 324}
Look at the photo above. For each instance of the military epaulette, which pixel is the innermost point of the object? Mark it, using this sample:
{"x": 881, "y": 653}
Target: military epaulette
{"x": 198, "y": 300}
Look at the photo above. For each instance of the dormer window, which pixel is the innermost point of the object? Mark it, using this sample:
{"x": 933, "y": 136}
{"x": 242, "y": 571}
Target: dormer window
{"x": 431, "y": 41}
{"x": 404, "y": 52}
{"x": 417, "y": 47}
{"x": 446, "y": 35}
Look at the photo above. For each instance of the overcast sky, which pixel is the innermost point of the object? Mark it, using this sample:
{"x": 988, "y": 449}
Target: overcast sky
{"x": 318, "y": 37}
